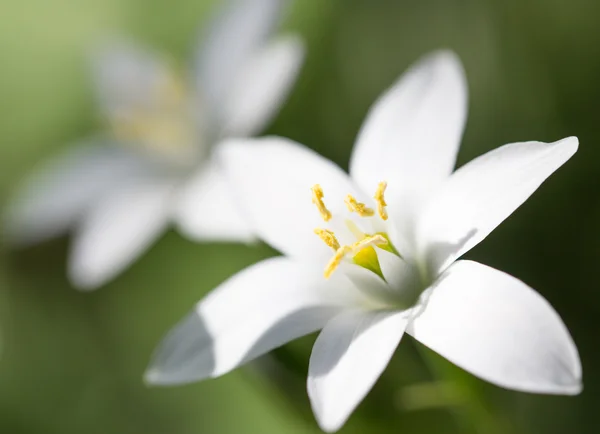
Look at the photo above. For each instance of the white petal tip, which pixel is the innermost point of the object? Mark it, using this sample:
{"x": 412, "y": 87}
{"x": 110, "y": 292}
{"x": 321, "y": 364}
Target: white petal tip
{"x": 85, "y": 269}
{"x": 326, "y": 421}
{"x": 570, "y": 142}
{"x": 331, "y": 427}
{"x": 559, "y": 389}
{"x": 576, "y": 389}
{"x": 84, "y": 286}
{"x": 154, "y": 377}
{"x": 183, "y": 356}
{"x": 442, "y": 58}
{"x": 82, "y": 279}
{"x": 575, "y": 386}
{"x": 328, "y": 424}
{"x": 443, "y": 55}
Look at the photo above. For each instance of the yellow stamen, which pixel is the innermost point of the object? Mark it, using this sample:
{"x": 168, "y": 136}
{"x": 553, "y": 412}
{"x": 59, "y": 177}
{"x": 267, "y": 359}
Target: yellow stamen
{"x": 379, "y": 198}
{"x": 162, "y": 124}
{"x": 360, "y": 208}
{"x": 317, "y": 199}
{"x": 335, "y": 261}
{"x": 371, "y": 241}
{"x": 354, "y": 249}
{"x": 328, "y": 237}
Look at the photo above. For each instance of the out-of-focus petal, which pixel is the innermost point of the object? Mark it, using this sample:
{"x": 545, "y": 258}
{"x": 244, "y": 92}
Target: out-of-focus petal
{"x": 412, "y": 134}
{"x": 484, "y": 192}
{"x": 58, "y": 193}
{"x": 206, "y": 209}
{"x": 118, "y": 229}
{"x": 127, "y": 78}
{"x": 258, "y": 309}
{"x": 272, "y": 178}
{"x": 234, "y": 37}
{"x": 261, "y": 87}
{"x": 348, "y": 357}
{"x": 497, "y": 328}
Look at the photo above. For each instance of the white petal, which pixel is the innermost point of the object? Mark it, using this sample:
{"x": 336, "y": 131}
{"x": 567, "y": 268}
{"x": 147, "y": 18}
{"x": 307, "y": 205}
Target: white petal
{"x": 484, "y": 192}
{"x": 128, "y": 78}
{"x": 272, "y": 178}
{"x": 235, "y": 36}
{"x": 57, "y": 194}
{"x": 348, "y": 357}
{"x": 261, "y": 87}
{"x": 497, "y": 328}
{"x": 401, "y": 276}
{"x": 206, "y": 210}
{"x": 378, "y": 293}
{"x": 118, "y": 229}
{"x": 412, "y": 134}
{"x": 258, "y": 309}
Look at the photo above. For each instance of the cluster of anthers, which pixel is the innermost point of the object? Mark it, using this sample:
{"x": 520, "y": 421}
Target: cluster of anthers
{"x": 356, "y": 250}
{"x": 162, "y": 124}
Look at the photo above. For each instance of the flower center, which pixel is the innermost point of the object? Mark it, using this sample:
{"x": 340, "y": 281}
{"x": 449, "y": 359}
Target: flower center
{"x": 163, "y": 125}
{"x": 362, "y": 251}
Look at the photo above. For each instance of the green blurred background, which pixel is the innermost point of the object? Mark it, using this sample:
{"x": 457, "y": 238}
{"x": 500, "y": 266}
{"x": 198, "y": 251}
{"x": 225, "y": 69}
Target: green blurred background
{"x": 72, "y": 362}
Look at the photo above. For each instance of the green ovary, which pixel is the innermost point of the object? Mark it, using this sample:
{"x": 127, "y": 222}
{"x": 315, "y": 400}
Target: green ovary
{"x": 367, "y": 257}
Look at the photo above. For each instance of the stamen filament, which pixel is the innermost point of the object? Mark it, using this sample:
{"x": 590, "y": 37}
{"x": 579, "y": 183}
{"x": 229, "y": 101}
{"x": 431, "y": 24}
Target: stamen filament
{"x": 352, "y": 227}
{"x": 317, "y": 199}
{"x": 360, "y": 208}
{"x": 379, "y": 198}
{"x": 374, "y": 240}
{"x": 335, "y": 261}
{"x": 343, "y": 251}
{"x": 328, "y": 238}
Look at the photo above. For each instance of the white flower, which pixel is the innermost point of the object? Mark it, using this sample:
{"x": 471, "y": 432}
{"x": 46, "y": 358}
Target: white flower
{"x": 121, "y": 190}
{"x": 383, "y": 256}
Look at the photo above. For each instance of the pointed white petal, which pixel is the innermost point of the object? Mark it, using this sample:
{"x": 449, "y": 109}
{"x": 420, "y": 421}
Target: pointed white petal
{"x": 58, "y": 193}
{"x": 497, "y": 328}
{"x": 484, "y": 192}
{"x": 348, "y": 357}
{"x": 235, "y": 36}
{"x": 118, "y": 229}
{"x": 128, "y": 78}
{"x": 272, "y": 178}
{"x": 261, "y": 87}
{"x": 412, "y": 134}
{"x": 258, "y": 309}
{"x": 205, "y": 209}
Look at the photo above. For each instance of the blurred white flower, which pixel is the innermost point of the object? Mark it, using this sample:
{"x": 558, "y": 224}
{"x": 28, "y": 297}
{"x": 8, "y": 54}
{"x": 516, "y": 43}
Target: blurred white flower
{"x": 382, "y": 258}
{"x": 122, "y": 189}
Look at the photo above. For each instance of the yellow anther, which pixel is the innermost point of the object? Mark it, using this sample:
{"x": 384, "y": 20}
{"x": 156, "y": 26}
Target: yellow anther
{"x": 355, "y": 248}
{"x": 328, "y": 237}
{"x": 162, "y": 125}
{"x": 337, "y": 258}
{"x": 379, "y": 198}
{"x": 317, "y": 199}
{"x": 360, "y": 208}
{"x": 371, "y": 241}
